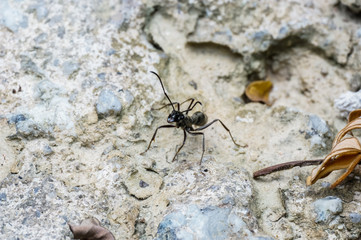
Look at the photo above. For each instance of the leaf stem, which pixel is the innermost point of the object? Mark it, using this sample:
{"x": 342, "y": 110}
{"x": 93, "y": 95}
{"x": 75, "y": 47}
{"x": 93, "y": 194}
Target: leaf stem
{"x": 285, "y": 166}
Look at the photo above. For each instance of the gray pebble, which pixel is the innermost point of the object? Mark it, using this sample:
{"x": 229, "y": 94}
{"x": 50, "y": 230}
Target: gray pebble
{"x": 61, "y": 32}
{"x": 37, "y": 213}
{"x": 355, "y": 217}
{"x": 41, "y": 38}
{"x": 28, "y": 66}
{"x": 101, "y": 76}
{"x": 29, "y": 128}
{"x": 319, "y": 133}
{"x": 41, "y": 12}
{"x": 47, "y": 150}
{"x": 2, "y": 51}
{"x": 12, "y": 18}
{"x": 46, "y": 90}
{"x": 143, "y": 184}
{"x": 2, "y": 196}
{"x": 70, "y": 67}
{"x": 108, "y": 104}
{"x": 326, "y": 208}
{"x": 210, "y": 222}
{"x": 14, "y": 119}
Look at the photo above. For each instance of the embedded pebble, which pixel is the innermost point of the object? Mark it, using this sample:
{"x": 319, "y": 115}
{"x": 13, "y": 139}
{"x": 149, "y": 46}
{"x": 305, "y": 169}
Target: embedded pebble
{"x": 211, "y": 222}
{"x": 319, "y": 133}
{"x": 2, "y": 51}
{"x": 47, "y": 150}
{"x": 2, "y": 196}
{"x": 46, "y": 90}
{"x": 70, "y": 67}
{"x": 41, "y": 12}
{"x": 355, "y": 217}
{"x": 14, "y": 119}
{"x": 108, "y": 104}
{"x": 127, "y": 97}
{"x": 327, "y": 208}
{"x": 28, "y": 66}
{"x": 11, "y": 17}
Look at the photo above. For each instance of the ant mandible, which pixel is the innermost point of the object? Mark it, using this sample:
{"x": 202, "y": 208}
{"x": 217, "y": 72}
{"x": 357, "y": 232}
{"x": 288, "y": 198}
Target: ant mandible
{"x": 185, "y": 122}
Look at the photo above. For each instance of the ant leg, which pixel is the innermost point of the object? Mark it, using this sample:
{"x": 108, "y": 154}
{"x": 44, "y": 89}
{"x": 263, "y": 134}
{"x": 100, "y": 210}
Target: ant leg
{"x": 155, "y": 133}
{"x": 209, "y": 124}
{"x": 191, "y": 108}
{"x": 192, "y": 100}
{"x": 203, "y": 148}
{"x": 184, "y": 140}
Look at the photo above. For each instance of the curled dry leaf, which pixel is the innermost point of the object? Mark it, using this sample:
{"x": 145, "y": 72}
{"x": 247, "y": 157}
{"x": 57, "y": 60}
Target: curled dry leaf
{"x": 345, "y": 154}
{"x": 90, "y": 229}
{"x": 258, "y": 91}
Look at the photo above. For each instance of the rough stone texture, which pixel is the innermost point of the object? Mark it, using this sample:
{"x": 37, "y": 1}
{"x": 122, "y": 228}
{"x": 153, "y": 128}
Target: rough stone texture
{"x": 143, "y": 184}
{"x": 63, "y": 159}
{"x": 354, "y": 5}
{"x": 347, "y": 102}
{"x": 327, "y": 208}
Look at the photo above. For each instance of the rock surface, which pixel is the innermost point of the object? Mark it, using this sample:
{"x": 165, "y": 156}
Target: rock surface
{"x": 78, "y": 106}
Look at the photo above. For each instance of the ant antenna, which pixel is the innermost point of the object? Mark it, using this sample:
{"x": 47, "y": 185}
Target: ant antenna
{"x": 163, "y": 89}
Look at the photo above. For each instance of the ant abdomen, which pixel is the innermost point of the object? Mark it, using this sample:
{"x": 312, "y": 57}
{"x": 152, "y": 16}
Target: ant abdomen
{"x": 199, "y": 118}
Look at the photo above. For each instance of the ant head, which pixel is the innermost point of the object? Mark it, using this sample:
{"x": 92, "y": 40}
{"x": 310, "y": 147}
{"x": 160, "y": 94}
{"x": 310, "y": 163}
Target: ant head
{"x": 175, "y": 116}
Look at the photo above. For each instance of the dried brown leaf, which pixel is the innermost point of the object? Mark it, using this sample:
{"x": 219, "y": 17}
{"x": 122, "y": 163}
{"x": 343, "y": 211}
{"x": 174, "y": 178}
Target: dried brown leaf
{"x": 258, "y": 91}
{"x": 346, "y": 154}
{"x": 354, "y": 114}
{"x": 90, "y": 229}
{"x": 356, "y": 123}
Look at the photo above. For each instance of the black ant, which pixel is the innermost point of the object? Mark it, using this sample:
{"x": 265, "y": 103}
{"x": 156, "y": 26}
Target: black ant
{"x": 185, "y": 122}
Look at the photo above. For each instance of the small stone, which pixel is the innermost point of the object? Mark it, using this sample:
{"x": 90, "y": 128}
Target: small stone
{"x": 326, "y": 208}
{"x": 28, "y": 66}
{"x": 355, "y": 82}
{"x": 11, "y": 17}
{"x": 69, "y": 68}
{"x": 2, "y": 196}
{"x": 41, "y": 38}
{"x": 108, "y": 104}
{"x": 127, "y": 97}
{"x": 2, "y": 51}
{"x": 37, "y": 213}
{"x": 101, "y": 76}
{"x": 16, "y": 118}
{"x": 29, "y": 128}
{"x": 47, "y": 150}
{"x": 46, "y": 90}
{"x": 143, "y": 184}
{"x": 61, "y": 32}
{"x": 355, "y": 217}
{"x": 41, "y": 12}
{"x": 210, "y": 222}
{"x": 319, "y": 133}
